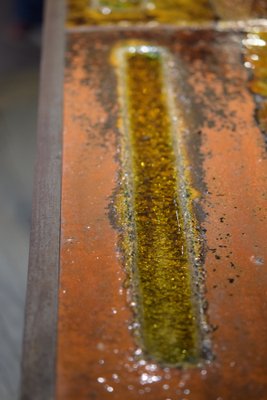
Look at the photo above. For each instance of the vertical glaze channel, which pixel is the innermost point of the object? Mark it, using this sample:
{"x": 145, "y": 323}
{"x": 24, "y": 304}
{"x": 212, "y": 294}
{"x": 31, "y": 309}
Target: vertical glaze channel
{"x": 160, "y": 259}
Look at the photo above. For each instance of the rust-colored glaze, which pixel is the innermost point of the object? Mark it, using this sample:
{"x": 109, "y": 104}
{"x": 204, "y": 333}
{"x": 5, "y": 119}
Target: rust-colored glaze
{"x": 260, "y": 8}
{"x": 91, "y": 275}
{"x": 95, "y": 346}
{"x": 239, "y": 9}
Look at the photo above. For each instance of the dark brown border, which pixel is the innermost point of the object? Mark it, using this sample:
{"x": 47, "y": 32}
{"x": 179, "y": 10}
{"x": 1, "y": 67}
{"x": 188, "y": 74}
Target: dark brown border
{"x": 39, "y": 351}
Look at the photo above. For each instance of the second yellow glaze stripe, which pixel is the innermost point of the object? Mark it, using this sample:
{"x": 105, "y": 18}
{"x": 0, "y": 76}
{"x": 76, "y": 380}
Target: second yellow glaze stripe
{"x": 114, "y": 11}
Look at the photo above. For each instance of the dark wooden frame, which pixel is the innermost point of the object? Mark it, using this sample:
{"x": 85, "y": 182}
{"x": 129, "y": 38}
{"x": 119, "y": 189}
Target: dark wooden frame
{"x": 39, "y": 351}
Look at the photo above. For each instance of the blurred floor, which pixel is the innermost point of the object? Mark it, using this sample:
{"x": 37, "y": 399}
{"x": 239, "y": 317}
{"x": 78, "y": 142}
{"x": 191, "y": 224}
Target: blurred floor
{"x": 19, "y": 64}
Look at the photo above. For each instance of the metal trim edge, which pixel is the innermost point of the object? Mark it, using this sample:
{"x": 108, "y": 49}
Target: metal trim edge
{"x": 40, "y": 331}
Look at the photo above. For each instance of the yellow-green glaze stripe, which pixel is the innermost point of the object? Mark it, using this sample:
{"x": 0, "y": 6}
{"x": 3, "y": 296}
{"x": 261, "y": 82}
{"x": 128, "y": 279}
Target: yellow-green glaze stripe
{"x": 159, "y": 258}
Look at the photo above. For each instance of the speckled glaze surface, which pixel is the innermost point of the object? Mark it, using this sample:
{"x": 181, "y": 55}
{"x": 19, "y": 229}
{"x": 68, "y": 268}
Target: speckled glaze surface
{"x": 99, "y": 356}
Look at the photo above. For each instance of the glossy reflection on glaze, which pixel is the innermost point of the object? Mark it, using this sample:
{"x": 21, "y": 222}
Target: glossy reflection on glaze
{"x": 151, "y": 210}
{"x": 255, "y": 60}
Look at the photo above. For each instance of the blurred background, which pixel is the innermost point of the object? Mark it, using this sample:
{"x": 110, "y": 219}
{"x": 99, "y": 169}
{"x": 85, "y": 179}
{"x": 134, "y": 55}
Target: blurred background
{"x": 20, "y": 45}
